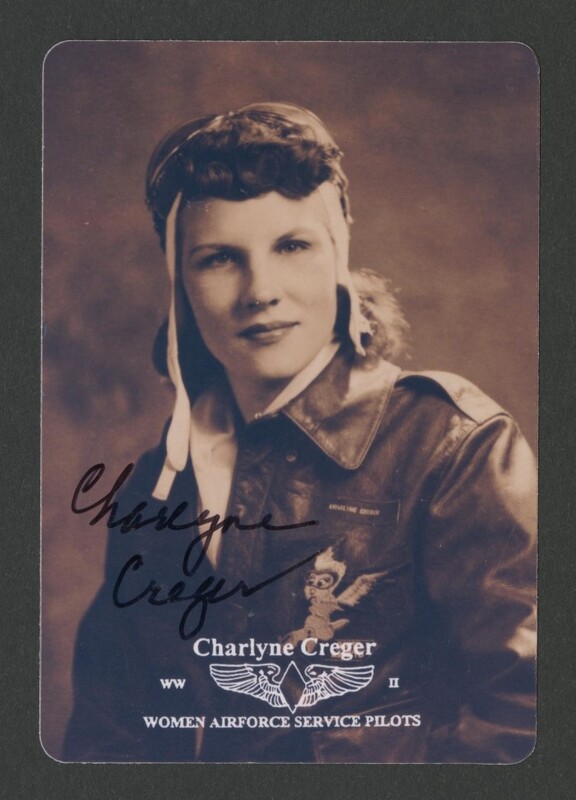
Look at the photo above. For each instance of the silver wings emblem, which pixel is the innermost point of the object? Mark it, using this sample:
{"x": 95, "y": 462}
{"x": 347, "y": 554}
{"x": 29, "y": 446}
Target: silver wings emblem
{"x": 253, "y": 679}
{"x": 293, "y": 689}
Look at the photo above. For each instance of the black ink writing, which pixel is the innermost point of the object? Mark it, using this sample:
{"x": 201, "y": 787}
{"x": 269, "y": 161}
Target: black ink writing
{"x": 207, "y": 593}
{"x": 211, "y": 590}
{"x": 163, "y": 519}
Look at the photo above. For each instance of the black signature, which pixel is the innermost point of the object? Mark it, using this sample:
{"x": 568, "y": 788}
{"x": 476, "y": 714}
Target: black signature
{"x": 163, "y": 518}
{"x": 210, "y": 589}
{"x": 207, "y": 593}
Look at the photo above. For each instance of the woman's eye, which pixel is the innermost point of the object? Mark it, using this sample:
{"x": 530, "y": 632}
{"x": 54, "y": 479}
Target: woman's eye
{"x": 219, "y": 259}
{"x": 293, "y": 246}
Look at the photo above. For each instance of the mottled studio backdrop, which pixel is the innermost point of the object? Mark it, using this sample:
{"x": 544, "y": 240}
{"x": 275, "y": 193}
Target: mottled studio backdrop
{"x": 440, "y": 145}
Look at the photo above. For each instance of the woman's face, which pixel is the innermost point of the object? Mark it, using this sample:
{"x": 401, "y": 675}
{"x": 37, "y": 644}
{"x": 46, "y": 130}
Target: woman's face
{"x": 260, "y": 275}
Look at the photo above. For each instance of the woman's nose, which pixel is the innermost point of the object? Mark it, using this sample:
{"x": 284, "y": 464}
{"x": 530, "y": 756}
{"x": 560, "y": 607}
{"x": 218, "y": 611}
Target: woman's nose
{"x": 261, "y": 284}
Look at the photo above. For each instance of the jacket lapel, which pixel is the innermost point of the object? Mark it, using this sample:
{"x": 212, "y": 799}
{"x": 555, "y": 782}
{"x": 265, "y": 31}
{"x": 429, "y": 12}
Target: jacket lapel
{"x": 342, "y": 408}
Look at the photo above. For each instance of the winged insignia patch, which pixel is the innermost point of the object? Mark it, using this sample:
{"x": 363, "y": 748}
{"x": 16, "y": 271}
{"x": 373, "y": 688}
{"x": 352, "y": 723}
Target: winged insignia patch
{"x": 292, "y": 689}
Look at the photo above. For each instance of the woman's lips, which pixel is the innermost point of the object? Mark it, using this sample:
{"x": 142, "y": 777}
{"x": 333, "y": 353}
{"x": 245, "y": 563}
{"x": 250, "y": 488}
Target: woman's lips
{"x": 267, "y": 333}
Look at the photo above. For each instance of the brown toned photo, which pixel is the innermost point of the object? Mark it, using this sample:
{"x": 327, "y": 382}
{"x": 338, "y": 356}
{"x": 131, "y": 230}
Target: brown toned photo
{"x": 289, "y": 402}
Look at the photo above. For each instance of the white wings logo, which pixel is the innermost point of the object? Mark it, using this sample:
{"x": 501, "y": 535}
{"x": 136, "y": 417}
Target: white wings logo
{"x": 292, "y": 689}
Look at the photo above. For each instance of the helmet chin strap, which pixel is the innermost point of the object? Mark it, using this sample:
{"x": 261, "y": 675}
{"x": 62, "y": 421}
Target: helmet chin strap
{"x": 178, "y": 438}
{"x": 357, "y": 324}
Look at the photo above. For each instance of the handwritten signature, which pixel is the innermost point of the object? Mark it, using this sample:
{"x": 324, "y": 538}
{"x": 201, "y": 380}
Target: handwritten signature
{"x": 211, "y": 590}
{"x": 163, "y": 518}
{"x": 207, "y": 593}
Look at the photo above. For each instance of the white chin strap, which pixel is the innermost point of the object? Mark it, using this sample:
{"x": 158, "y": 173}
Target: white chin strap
{"x": 178, "y": 438}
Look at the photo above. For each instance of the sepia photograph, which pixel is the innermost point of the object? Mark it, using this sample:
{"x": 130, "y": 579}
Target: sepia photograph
{"x": 289, "y": 402}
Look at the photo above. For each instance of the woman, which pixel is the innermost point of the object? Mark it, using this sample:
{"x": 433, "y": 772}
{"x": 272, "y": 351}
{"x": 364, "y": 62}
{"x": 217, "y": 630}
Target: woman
{"x": 332, "y": 559}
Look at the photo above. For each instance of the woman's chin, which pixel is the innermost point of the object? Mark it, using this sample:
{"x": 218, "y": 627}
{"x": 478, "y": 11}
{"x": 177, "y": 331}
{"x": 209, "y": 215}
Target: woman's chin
{"x": 270, "y": 378}
{"x": 273, "y": 366}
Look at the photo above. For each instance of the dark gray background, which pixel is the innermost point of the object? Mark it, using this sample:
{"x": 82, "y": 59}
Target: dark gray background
{"x": 28, "y": 31}
{"x": 441, "y": 149}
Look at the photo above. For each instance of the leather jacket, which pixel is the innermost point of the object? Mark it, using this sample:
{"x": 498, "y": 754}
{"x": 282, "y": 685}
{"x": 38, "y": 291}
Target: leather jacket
{"x": 423, "y": 556}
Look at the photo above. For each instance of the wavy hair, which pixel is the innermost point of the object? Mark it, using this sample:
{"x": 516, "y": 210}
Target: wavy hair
{"x": 243, "y": 154}
{"x": 265, "y": 147}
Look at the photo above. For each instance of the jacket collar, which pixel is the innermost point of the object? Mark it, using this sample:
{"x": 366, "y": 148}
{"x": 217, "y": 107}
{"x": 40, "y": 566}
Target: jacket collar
{"x": 341, "y": 410}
